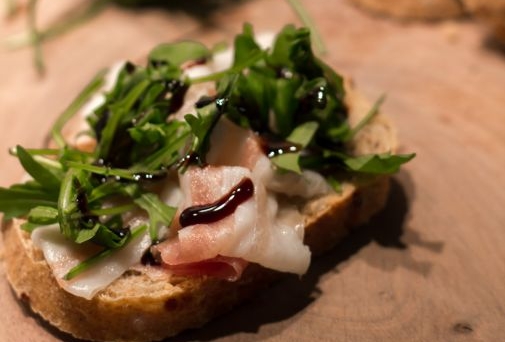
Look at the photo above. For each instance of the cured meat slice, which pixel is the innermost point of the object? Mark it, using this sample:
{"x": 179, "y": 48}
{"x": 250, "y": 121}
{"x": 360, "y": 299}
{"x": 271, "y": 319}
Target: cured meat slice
{"x": 62, "y": 255}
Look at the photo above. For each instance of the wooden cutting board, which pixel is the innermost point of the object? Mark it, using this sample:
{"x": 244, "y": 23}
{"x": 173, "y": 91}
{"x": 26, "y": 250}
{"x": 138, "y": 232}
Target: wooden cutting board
{"x": 431, "y": 267}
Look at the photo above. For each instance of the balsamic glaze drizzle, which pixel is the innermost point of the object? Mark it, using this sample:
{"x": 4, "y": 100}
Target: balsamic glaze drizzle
{"x": 148, "y": 259}
{"x": 273, "y": 146}
{"x": 219, "y": 209}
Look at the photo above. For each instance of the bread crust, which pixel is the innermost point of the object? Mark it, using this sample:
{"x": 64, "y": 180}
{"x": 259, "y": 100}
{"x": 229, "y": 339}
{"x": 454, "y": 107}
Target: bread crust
{"x": 492, "y": 13}
{"x": 413, "y": 9}
{"x": 138, "y": 307}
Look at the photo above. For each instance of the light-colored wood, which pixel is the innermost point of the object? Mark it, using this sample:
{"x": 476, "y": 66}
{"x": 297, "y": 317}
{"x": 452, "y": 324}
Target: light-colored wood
{"x": 430, "y": 268}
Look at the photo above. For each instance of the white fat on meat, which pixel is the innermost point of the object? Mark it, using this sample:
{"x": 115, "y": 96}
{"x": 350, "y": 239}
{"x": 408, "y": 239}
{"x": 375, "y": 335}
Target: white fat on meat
{"x": 308, "y": 184}
{"x": 234, "y": 145}
{"x": 259, "y": 230}
{"x": 62, "y": 255}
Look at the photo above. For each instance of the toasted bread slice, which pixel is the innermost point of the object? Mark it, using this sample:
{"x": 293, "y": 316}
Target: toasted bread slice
{"x": 139, "y": 307}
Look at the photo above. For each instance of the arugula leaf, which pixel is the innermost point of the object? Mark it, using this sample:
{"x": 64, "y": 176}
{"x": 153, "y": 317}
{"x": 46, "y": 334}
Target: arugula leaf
{"x": 279, "y": 57}
{"x": 40, "y": 173}
{"x": 106, "y": 189}
{"x": 385, "y": 163}
{"x": 283, "y": 106}
{"x": 320, "y": 103}
{"x": 43, "y": 215}
{"x": 201, "y": 126}
{"x": 301, "y": 55}
{"x": 148, "y": 133}
{"x": 67, "y": 205}
{"x": 88, "y": 263}
{"x": 105, "y": 171}
{"x": 238, "y": 67}
{"x": 335, "y": 80}
{"x": 160, "y": 214}
{"x": 19, "y": 199}
{"x": 176, "y": 134}
{"x": 151, "y": 101}
{"x": 36, "y": 151}
{"x": 119, "y": 111}
{"x": 111, "y": 238}
{"x": 179, "y": 53}
{"x": 245, "y": 46}
{"x": 84, "y": 235}
{"x": 301, "y": 136}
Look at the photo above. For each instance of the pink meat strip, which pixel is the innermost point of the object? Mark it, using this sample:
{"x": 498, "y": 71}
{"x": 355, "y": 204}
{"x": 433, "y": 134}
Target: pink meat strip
{"x": 196, "y": 249}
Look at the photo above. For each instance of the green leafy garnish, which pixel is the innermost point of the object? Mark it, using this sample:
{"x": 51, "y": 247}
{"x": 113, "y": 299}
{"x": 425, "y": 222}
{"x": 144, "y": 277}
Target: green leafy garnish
{"x": 86, "y": 264}
{"x": 385, "y": 163}
{"x": 43, "y": 215}
{"x": 160, "y": 214}
{"x": 201, "y": 126}
{"x": 179, "y": 53}
{"x": 41, "y": 174}
{"x": 285, "y": 94}
{"x": 19, "y": 199}
{"x": 301, "y": 136}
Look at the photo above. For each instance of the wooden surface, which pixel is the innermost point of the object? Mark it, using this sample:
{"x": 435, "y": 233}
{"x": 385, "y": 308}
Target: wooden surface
{"x": 431, "y": 267}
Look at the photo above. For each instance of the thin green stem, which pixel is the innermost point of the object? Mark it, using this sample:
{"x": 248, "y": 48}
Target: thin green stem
{"x": 34, "y": 33}
{"x": 369, "y": 116}
{"x": 69, "y": 22}
{"x": 36, "y": 151}
{"x": 83, "y": 97}
{"x": 88, "y": 263}
{"x": 235, "y": 69}
{"x": 101, "y": 170}
{"x": 113, "y": 210}
{"x": 307, "y": 21}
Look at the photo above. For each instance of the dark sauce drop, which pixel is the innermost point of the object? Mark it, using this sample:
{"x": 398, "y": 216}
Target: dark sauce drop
{"x": 273, "y": 146}
{"x": 100, "y": 125}
{"x": 130, "y": 67}
{"x": 204, "y": 101}
{"x": 148, "y": 259}
{"x": 81, "y": 200}
{"x": 221, "y": 208}
{"x": 157, "y": 63}
{"x": 121, "y": 232}
{"x": 191, "y": 159}
{"x": 178, "y": 90}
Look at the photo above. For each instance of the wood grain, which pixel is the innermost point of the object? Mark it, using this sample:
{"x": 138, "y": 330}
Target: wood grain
{"x": 431, "y": 267}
